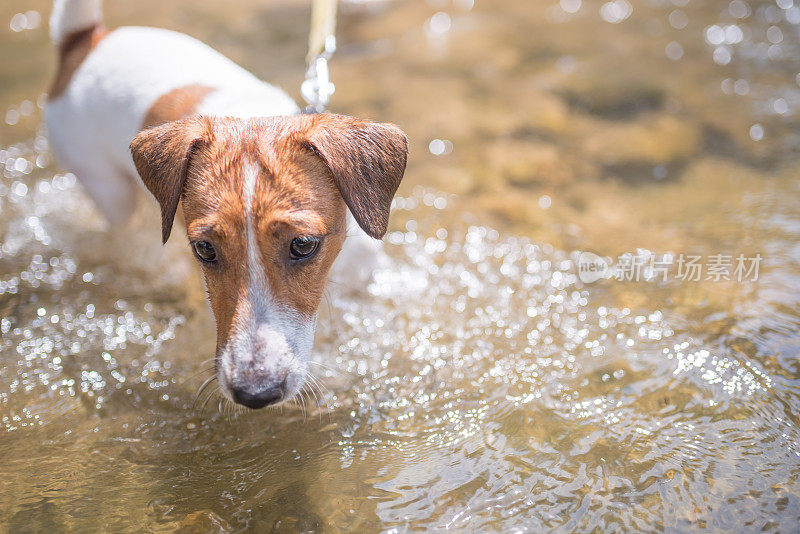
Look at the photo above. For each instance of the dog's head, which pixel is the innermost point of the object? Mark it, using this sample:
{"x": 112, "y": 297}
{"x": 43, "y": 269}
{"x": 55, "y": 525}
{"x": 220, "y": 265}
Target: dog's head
{"x": 265, "y": 204}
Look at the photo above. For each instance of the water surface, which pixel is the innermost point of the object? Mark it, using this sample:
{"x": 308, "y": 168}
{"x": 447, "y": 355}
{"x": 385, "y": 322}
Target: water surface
{"x": 477, "y": 383}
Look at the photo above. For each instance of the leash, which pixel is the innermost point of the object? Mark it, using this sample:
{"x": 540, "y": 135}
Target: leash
{"x": 317, "y": 88}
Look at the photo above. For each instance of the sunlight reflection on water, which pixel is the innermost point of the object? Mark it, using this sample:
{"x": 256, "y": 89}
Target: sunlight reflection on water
{"x": 476, "y": 383}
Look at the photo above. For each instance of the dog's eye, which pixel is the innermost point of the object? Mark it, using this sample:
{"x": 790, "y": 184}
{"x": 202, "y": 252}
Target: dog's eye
{"x": 204, "y": 251}
{"x": 303, "y": 247}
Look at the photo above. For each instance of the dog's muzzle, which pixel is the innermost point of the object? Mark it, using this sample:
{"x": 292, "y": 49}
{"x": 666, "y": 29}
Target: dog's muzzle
{"x": 265, "y": 365}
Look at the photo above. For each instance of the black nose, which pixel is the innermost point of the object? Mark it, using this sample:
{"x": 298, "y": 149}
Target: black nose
{"x": 258, "y": 399}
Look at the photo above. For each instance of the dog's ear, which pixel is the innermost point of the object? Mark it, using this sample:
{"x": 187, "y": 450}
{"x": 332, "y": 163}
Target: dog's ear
{"x": 162, "y": 155}
{"x": 367, "y": 160}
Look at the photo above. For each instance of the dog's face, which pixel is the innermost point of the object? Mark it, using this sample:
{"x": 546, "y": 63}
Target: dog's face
{"x": 265, "y": 204}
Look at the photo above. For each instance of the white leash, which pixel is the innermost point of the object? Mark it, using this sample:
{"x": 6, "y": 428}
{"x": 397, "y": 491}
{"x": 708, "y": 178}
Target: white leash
{"x": 317, "y": 88}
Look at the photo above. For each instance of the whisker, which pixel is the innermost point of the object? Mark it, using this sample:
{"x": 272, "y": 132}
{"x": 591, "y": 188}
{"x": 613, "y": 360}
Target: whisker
{"x": 323, "y": 394}
{"x": 311, "y": 391}
{"x": 326, "y": 367}
{"x": 335, "y": 282}
{"x": 302, "y": 396}
{"x": 205, "y": 384}
{"x": 229, "y": 407}
{"x": 210, "y": 396}
{"x": 316, "y": 382}
{"x": 305, "y": 403}
{"x": 194, "y": 375}
{"x": 326, "y": 294}
{"x": 312, "y": 380}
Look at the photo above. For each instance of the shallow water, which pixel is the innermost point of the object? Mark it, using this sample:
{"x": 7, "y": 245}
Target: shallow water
{"x": 477, "y": 382}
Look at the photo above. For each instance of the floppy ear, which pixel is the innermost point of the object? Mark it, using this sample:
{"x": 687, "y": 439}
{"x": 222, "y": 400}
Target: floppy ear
{"x": 162, "y": 155}
{"x": 367, "y": 160}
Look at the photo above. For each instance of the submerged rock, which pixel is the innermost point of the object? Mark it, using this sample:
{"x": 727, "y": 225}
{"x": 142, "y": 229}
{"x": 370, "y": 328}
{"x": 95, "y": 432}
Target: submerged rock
{"x": 656, "y": 140}
{"x": 524, "y": 163}
{"x": 614, "y": 97}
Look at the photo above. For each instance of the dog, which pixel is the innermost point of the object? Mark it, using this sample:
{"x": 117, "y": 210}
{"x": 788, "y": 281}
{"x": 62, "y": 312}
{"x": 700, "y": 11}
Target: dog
{"x": 264, "y": 190}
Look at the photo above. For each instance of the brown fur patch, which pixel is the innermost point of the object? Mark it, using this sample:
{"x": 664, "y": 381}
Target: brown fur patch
{"x": 71, "y": 53}
{"x": 178, "y": 104}
{"x": 162, "y": 155}
{"x": 367, "y": 160}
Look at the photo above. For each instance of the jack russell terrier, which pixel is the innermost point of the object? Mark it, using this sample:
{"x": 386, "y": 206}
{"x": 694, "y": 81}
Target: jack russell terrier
{"x": 264, "y": 190}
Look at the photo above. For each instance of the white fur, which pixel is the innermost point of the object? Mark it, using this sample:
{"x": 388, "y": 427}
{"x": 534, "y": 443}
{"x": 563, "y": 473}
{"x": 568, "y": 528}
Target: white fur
{"x": 360, "y": 256}
{"x": 70, "y": 16}
{"x": 268, "y": 341}
{"x": 94, "y": 121}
